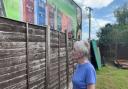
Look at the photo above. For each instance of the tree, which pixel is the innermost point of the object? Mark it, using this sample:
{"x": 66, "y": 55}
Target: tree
{"x": 111, "y": 37}
{"x": 117, "y": 32}
{"x": 104, "y": 35}
{"x": 121, "y": 14}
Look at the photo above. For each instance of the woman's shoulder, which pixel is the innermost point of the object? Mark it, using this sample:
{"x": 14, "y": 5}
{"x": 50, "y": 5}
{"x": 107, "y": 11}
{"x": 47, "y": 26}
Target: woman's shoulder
{"x": 89, "y": 66}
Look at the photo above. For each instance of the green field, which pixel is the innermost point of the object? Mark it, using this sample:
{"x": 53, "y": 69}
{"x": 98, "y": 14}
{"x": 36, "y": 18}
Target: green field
{"x": 112, "y": 78}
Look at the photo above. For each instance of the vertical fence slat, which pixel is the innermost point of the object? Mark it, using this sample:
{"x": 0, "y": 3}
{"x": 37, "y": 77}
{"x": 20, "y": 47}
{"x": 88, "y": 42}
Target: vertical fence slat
{"x": 27, "y": 54}
{"x": 47, "y": 56}
{"x": 73, "y": 60}
{"x": 67, "y": 59}
{"x": 59, "y": 57}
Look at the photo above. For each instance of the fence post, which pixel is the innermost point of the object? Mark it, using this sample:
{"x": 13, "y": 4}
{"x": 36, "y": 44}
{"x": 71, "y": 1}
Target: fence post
{"x": 47, "y": 57}
{"x": 73, "y": 60}
{"x": 59, "y": 57}
{"x": 27, "y": 54}
{"x": 67, "y": 58}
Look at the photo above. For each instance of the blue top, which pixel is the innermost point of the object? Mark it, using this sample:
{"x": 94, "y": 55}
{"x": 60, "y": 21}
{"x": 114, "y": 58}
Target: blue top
{"x": 84, "y": 75}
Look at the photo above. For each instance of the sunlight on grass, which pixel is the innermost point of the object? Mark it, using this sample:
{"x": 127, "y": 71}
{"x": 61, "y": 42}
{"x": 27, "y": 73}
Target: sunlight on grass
{"x": 112, "y": 78}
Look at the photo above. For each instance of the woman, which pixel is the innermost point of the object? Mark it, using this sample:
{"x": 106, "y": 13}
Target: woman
{"x": 84, "y": 76}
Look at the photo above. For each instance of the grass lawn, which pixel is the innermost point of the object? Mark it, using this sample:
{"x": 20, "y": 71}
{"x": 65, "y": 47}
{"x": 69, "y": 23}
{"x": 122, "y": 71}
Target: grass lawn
{"x": 112, "y": 78}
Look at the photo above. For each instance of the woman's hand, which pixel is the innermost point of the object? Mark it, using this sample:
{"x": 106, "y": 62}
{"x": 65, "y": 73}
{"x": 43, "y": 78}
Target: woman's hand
{"x": 91, "y": 86}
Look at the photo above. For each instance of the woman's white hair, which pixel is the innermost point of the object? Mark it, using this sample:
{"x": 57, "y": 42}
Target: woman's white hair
{"x": 82, "y": 46}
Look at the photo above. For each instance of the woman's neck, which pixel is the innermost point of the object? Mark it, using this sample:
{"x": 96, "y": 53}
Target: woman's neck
{"x": 83, "y": 60}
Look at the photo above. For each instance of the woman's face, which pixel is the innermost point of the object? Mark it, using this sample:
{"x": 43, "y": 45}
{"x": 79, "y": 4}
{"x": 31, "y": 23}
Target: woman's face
{"x": 77, "y": 54}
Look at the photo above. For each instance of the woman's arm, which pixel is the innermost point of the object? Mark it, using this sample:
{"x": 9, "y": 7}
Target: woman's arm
{"x": 91, "y": 86}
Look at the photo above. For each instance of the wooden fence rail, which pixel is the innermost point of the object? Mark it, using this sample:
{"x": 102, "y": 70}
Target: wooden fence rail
{"x": 34, "y": 57}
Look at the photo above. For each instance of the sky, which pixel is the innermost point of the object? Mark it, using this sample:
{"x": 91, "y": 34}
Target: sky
{"x": 102, "y": 14}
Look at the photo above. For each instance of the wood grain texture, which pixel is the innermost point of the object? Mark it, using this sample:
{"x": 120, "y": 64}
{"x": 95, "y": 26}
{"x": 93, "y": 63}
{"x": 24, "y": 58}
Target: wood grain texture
{"x": 46, "y": 53}
{"x": 21, "y": 85}
{"x": 12, "y": 61}
{"x": 12, "y": 45}
{"x": 11, "y": 69}
{"x": 12, "y": 53}
{"x": 12, "y": 37}
{"x": 11, "y": 28}
{"x": 13, "y": 81}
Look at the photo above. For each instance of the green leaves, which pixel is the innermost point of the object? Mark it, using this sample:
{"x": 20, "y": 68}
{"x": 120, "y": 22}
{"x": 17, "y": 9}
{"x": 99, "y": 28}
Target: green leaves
{"x": 121, "y": 14}
{"x": 117, "y": 33}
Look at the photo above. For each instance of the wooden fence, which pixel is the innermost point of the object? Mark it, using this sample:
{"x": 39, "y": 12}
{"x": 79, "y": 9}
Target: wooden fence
{"x": 34, "y": 57}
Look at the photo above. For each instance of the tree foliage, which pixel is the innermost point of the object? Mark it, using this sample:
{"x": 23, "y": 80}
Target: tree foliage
{"x": 121, "y": 14}
{"x": 104, "y": 34}
{"x": 117, "y": 32}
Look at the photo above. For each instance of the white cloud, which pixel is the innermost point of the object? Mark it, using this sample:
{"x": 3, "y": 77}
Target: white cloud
{"x": 95, "y": 27}
{"x": 84, "y": 35}
{"x": 96, "y": 23}
{"x": 110, "y": 17}
{"x": 94, "y": 3}
{"x": 100, "y": 22}
{"x": 93, "y": 36}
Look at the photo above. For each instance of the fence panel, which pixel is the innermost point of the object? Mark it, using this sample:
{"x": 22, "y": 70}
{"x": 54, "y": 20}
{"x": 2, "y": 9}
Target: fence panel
{"x": 62, "y": 60}
{"x": 122, "y": 50}
{"x": 31, "y": 57}
{"x": 54, "y": 63}
{"x": 36, "y": 56}
{"x": 71, "y": 63}
{"x": 12, "y": 54}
